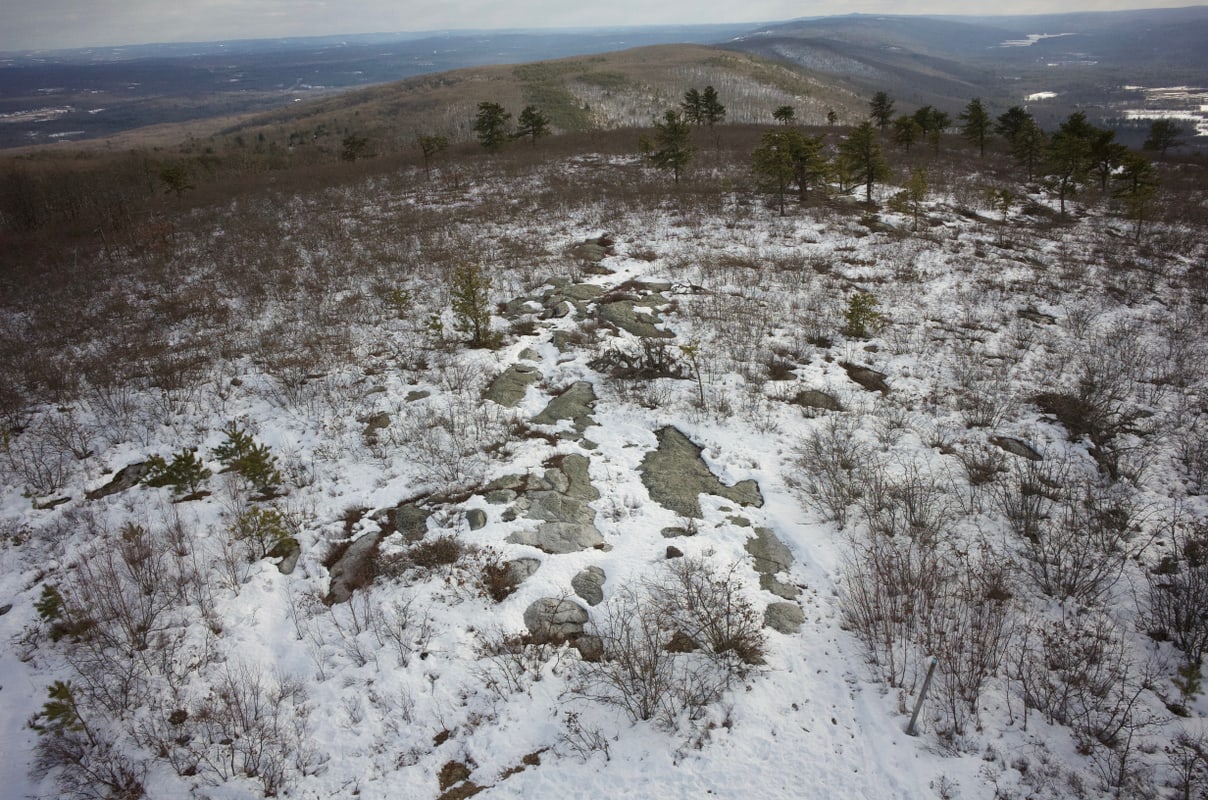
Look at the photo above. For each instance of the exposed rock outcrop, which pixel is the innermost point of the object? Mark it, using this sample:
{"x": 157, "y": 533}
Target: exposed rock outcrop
{"x": 553, "y": 619}
{"x": 771, "y": 558}
{"x": 508, "y": 389}
{"x": 559, "y": 500}
{"x": 676, "y": 476}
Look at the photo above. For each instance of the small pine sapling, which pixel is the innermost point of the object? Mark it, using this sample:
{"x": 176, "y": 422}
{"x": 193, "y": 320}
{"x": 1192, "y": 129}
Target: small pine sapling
{"x": 861, "y": 315}
{"x": 185, "y": 473}
{"x": 240, "y": 453}
{"x": 264, "y": 532}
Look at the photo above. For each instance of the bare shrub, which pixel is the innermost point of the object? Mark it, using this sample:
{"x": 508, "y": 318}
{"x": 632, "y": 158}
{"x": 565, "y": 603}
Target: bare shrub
{"x": 249, "y": 726}
{"x": 651, "y": 667}
{"x": 1187, "y": 758}
{"x": 437, "y": 552}
{"x": 969, "y": 637}
{"x": 86, "y": 763}
{"x": 39, "y": 463}
{"x": 891, "y": 590}
{"x": 1078, "y": 672}
{"x": 1176, "y": 607}
{"x": 913, "y": 504}
{"x": 710, "y": 609}
{"x": 510, "y": 663}
{"x": 453, "y": 444}
{"x": 582, "y": 740}
{"x": 1081, "y": 554}
{"x": 833, "y": 469}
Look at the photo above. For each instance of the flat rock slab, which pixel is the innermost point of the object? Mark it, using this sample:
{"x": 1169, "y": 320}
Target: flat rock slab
{"x": 624, "y": 315}
{"x": 784, "y": 617}
{"x": 560, "y": 501}
{"x": 1017, "y": 447}
{"x": 508, "y": 389}
{"x": 126, "y": 478}
{"x": 771, "y": 558}
{"x": 812, "y": 398}
{"x": 868, "y": 378}
{"x": 676, "y": 476}
{"x": 350, "y": 564}
{"x": 574, "y": 404}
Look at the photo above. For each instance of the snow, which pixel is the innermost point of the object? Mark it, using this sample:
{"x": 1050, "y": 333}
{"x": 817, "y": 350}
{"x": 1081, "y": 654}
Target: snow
{"x": 812, "y": 722}
{"x": 1032, "y": 39}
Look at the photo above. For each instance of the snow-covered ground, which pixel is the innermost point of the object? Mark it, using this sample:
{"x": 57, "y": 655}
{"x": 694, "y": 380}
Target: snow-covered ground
{"x": 976, "y": 318}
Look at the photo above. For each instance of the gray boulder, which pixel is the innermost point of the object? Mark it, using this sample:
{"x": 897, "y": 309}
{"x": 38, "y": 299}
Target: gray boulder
{"x": 351, "y": 565}
{"x": 812, "y": 398}
{"x": 555, "y": 619}
{"x": 589, "y": 585}
{"x": 126, "y": 478}
{"x": 1017, "y": 447}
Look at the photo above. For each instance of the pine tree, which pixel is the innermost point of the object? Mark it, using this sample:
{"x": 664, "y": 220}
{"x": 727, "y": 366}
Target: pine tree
{"x": 431, "y": 145}
{"x": 1163, "y": 135}
{"x": 671, "y": 147}
{"x": 532, "y": 125}
{"x": 933, "y": 122}
{"x": 1028, "y": 146}
{"x": 975, "y": 124}
{"x": 1067, "y": 161}
{"x": 491, "y": 125}
{"x": 881, "y": 109}
{"x": 469, "y": 293}
{"x": 906, "y": 131}
{"x": 354, "y": 146}
{"x": 1106, "y": 155}
{"x": 786, "y": 158}
{"x": 712, "y": 111}
{"x": 692, "y": 107}
{"x": 862, "y": 157}
{"x": 784, "y": 115}
{"x": 1011, "y": 123}
{"x": 1138, "y": 185}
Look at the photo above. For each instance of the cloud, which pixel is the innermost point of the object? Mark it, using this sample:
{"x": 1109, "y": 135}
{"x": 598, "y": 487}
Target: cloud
{"x": 37, "y": 24}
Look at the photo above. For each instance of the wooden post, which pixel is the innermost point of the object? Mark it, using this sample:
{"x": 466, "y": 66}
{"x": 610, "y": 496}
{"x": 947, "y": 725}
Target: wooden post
{"x": 918, "y": 704}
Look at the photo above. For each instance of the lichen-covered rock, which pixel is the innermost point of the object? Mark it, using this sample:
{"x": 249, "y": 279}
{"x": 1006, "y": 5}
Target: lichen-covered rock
{"x": 771, "y": 557}
{"x": 476, "y": 518}
{"x": 351, "y": 565}
{"x": 867, "y": 377}
{"x": 676, "y": 476}
{"x": 560, "y": 501}
{"x": 624, "y": 315}
{"x": 508, "y": 389}
{"x": 555, "y": 619}
{"x": 574, "y": 404}
{"x": 589, "y": 585}
{"x": 521, "y": 569}
{"x": 812, "y": 398}
{"x": 126, "y": 478}
{"x": 784, "y": 617}
{"x": 1017, "y": 447}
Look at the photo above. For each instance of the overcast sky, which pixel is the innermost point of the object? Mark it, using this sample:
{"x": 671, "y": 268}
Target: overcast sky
{"x": 38, "y": 24}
